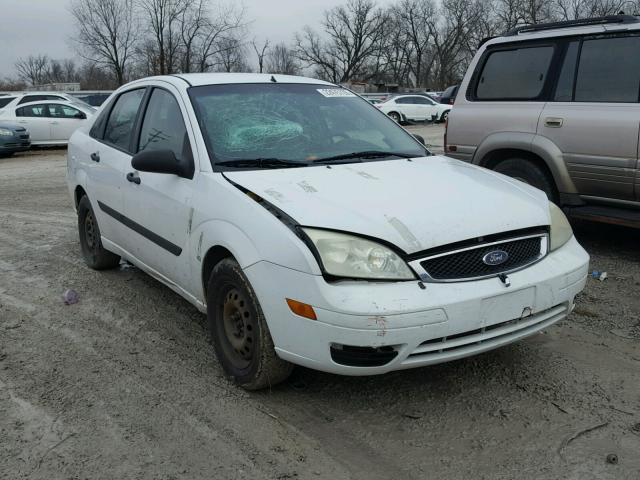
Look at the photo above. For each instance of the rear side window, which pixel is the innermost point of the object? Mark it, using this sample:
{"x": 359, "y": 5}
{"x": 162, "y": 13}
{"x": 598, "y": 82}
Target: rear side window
{"x": 64, "y": 111}
{"x": 32, "y": 111}
{"x": 119, "y": 127}
{"x": 609, "y": 70}
{"x": 4, "y": 101}
{"x": 517, "y": 74}
{"x": 163, "y": 126}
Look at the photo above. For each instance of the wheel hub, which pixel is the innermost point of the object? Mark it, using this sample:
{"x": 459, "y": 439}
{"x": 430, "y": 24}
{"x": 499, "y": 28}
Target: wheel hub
{"x": 238, "y": 325}
{"x": 90, "y": 231}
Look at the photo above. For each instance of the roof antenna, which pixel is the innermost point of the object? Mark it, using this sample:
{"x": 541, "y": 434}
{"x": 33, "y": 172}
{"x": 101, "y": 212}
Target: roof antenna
{"x": 273, "y": 79}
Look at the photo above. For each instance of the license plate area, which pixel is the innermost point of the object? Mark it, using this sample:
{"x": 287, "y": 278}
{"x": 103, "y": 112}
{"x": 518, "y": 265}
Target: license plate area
{"x": 508, "y": 306}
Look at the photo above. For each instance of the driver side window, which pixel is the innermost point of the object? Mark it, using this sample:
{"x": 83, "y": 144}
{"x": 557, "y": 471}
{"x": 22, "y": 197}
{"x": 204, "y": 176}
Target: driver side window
{"x": 163, "y": 127}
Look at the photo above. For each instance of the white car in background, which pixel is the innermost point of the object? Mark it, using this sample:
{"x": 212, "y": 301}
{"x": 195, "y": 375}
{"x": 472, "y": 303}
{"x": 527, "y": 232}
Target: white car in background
{"x": 14, "y": 99}
{"x": 49, "y": 122}
{"x": 414, "y": 107}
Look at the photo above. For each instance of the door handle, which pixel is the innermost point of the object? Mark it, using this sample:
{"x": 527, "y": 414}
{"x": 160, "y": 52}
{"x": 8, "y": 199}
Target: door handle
{"x": 133, "y": 177}
{"x": 553, "y": 122}
{"x": 95, "y": 156}
{"x": 54, "y": 123}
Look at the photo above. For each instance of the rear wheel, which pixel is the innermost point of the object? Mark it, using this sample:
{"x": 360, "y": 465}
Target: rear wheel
{"x": 239, "y": 331}
{"x": 528, "y": 172}
{"x": 395, "y": 116}
{"x": 444, "y": 116}
{"x": 95, "y": 256}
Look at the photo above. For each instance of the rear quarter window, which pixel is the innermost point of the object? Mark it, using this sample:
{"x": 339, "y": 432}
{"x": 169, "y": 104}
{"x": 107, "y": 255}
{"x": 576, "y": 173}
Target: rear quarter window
{"x": 4, "y": 101}
{"x": 514, "y": 74}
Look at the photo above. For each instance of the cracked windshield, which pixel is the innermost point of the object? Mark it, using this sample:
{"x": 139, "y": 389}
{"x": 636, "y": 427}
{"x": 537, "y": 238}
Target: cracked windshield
{"x": 296, "y": 124}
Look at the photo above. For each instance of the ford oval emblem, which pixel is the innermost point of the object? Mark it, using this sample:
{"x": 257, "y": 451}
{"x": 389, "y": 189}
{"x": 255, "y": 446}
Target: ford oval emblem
{"x": 496, "y": 257}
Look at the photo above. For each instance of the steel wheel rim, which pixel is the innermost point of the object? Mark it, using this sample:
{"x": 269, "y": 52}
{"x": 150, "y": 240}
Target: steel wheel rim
{"x": 238, "y": 328}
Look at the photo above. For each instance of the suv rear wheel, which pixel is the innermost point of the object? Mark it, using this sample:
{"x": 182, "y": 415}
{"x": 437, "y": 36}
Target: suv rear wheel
{"x": 528, "y": 172}
{"x": 239, "y": 331}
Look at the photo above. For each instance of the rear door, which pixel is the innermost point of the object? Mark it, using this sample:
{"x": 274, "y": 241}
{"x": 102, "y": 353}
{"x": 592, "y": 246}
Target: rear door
{"x": 157, "y": 205}
{"x": 109, "y": 157}
{"x": 594, "y": 115}
{"x": 64, "y": 121}
{"x": 408, "y": 107}
{"x": 34, "y": 118}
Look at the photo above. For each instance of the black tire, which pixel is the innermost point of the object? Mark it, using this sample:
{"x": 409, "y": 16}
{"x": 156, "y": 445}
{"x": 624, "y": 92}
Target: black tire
{"x": 395, "y": 116}
{"x": 95, "y": 256}
{"x": 528, "y": 172}
{"x": 6, "y": 154}
{"x": 444, "y": 116}
{"x": 239, "y": 331}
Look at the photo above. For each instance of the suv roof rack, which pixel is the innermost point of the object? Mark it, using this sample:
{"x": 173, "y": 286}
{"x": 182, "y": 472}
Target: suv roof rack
{"x": 574, "y": 23}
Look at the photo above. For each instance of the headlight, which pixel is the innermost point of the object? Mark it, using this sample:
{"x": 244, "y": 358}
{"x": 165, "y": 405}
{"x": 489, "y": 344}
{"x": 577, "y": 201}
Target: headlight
{"x": 561, "y": 231}
{"x": 351, "y": 256}
{"x": 5, "y": 133}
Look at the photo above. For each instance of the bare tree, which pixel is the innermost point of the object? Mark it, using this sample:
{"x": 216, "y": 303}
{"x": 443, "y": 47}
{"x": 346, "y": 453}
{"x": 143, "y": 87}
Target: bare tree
{"x": 231, "y": 56}
{"x": 281, "y": 59}
{"x": 261, "y": 51}
{"x": 353, "y": 36}
{"x": 193, "y": 22}
{"x": 214, "y": 40}
{"x": 32, "y": 69}
{"x": 163, "y": 17}
{"x": 106, "y": 33}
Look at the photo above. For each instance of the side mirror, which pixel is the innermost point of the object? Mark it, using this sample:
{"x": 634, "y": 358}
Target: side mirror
{"x": 162, "y": 161}
{"x": 420, "y": 138}
{"x": 80, "y": 116}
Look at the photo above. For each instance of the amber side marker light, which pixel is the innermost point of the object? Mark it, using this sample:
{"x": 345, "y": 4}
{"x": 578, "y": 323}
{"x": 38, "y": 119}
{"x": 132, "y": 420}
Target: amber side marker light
{"x": 302, "y": 309}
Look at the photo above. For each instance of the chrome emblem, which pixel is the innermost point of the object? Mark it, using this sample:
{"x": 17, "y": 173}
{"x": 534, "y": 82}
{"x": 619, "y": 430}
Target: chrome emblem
{"x": 496, "y": 257}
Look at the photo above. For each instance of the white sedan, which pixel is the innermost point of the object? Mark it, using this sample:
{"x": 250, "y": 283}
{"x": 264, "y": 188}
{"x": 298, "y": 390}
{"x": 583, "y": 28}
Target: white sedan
{"x": 332, "y": 240}
{"x": 49, "y": 122}
{"x": 414, "y": 107}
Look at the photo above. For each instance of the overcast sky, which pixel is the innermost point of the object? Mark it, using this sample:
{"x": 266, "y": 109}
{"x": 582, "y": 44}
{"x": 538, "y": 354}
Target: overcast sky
{"x": 44, "y": 26}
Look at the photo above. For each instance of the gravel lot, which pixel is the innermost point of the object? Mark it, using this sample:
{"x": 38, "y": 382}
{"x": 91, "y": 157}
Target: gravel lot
{"x": 124, "y": 384}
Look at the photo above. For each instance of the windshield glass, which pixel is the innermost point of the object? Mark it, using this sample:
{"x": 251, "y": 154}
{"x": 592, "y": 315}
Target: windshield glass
{"x": 296, "y": 123}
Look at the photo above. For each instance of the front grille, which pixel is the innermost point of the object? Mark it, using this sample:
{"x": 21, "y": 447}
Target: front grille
{"x": 24, "y": 136}
{"x": 469, "y": 263}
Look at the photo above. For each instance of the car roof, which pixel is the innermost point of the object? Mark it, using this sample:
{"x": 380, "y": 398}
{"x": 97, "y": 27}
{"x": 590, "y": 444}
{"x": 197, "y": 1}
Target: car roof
{"x": 52, "y": 102}
{"x": 199, "y": 79}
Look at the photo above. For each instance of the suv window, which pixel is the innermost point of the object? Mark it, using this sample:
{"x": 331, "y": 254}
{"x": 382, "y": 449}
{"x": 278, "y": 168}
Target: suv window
{"x": 609, "y": 70}
{"x": 516, "y": 74}
{"x": 122, "y": 117}
{"x": 163, "y": 127}
{"x": 32, "y": 111}
{"x": 39, "y": 98}
{"x": 4, "y": 101}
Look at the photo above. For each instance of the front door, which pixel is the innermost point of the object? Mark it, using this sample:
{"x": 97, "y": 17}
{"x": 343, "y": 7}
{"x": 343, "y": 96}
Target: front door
{"x": 64, "y": 121}
{"x": 157, "y": 204}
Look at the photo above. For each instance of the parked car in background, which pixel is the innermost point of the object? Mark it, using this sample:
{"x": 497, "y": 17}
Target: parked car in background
{"x": 448, "y": 97}
{"x": 414, "y": 108}
{"x": 49, "y": 122}
{"x": 94, "y": 99}
{"x": 13, "y": 138}
{"x": 20, "y": 98}
{"x": 557, "y": 106}
{"x": 312, "y": 229}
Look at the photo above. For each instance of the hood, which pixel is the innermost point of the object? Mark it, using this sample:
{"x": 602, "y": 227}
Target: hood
{"x": 14, "y": 127}
{"x": 415, "y": 205}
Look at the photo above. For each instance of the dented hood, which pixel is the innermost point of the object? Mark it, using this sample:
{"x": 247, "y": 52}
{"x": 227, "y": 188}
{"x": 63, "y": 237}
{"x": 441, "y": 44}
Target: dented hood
{"x": 415, "y": 205}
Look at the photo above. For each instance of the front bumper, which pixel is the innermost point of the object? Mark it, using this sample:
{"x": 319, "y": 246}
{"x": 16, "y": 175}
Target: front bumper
{"x": 440, "y": 323}
{"x": 15, "y": 145}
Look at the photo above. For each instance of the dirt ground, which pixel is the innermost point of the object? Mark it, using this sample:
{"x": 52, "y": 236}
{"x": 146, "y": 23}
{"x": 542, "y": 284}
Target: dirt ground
{"x": 124, "y": 384}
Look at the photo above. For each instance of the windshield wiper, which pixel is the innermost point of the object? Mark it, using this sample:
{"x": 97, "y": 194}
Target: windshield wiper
{"x": 364, "y": 154}
{"x": 261, "y": 163}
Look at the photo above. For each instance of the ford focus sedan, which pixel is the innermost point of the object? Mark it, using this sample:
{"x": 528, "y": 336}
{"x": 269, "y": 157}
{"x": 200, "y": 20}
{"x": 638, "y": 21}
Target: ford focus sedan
{"x": 312, "y": 229}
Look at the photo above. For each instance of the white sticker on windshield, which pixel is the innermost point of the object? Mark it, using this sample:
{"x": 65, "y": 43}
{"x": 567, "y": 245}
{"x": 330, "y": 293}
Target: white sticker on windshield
{"x": 336, "y": 92}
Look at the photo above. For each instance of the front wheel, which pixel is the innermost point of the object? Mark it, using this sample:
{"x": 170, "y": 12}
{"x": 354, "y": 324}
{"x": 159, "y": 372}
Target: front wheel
{"x": 239, "y": 330}
{"x": 395, "y": 116}
{"x": 444, "y": 116}
{"x": 95, "y": 256}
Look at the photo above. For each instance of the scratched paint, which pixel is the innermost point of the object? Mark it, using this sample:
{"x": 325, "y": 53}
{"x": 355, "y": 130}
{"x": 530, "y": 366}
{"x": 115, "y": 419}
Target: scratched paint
{"x": 275, "y": 194}
{"x": 199, "y": 250}
{"x": 367, "y": 175}
{"x": 404, "y": 232}
{"x": 306, "y": 187}
{"x": 190, "y": 224}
